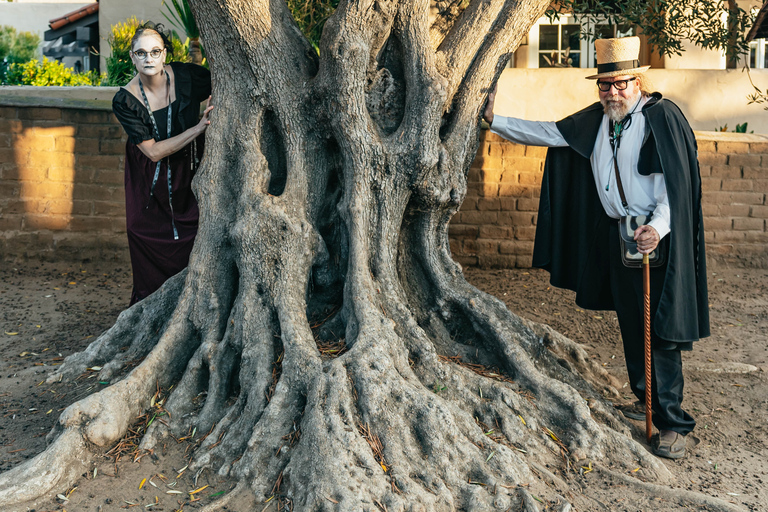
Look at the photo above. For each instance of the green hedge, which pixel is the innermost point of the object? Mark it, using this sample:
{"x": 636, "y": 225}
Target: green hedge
{"x": 47, "y": 72}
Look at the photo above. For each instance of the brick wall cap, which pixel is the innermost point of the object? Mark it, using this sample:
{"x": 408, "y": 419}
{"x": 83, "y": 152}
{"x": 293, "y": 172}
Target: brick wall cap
{"x": 730, "y": 137}
{"x": 89, "y": 98}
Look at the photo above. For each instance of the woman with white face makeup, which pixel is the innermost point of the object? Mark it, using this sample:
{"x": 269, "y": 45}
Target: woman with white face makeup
{"x": 159, "y": 110}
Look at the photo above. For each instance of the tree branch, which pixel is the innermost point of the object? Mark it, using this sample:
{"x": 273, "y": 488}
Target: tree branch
{"x": 458, "y": 49}
{"x": 443, "y": 14}
{"x": 425, "y": 87}
{"x": 516, "y": 18}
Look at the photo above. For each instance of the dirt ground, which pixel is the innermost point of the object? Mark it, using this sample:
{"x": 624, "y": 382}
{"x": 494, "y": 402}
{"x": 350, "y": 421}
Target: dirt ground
{"x": 50, "y": 310}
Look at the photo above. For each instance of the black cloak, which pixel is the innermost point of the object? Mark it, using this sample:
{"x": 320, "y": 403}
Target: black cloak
{"x": 569, "y": 207}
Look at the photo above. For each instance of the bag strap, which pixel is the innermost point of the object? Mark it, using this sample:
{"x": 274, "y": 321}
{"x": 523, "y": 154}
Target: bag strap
{"x": 615, "y": 139}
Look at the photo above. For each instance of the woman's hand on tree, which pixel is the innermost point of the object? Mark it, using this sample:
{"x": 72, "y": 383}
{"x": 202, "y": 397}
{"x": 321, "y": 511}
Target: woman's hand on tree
{"x": 156, "y": 151}
{"x": 205, "y": 121}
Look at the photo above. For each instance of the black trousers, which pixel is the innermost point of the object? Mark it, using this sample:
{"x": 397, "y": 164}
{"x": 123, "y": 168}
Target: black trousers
{"x": 666, "y": 361}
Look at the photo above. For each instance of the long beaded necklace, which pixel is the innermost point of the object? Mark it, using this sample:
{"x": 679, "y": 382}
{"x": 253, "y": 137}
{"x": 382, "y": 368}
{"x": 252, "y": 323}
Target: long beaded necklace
{"x": 157, "y": 137}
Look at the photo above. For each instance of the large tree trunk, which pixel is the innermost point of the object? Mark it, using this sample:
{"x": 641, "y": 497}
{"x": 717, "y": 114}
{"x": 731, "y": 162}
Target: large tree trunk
{"x": 325, "y": 196}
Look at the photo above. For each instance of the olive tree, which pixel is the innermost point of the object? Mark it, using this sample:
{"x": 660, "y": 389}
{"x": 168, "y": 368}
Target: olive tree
{"x": 325, "y": 194}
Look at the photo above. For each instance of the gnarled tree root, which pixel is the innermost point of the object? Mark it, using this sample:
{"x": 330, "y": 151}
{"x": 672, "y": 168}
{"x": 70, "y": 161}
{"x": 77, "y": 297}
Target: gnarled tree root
{"x": 683, "y": 497}
{"x": 54, "y": 469}
{"x": 133, "y": 335}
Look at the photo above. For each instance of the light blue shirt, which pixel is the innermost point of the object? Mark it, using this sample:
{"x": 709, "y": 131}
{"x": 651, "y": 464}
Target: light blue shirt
{"x": 645, "y": 194}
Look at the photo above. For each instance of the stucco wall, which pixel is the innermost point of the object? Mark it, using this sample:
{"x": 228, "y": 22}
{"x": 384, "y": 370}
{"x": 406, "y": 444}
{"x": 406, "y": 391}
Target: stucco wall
{"x": 709, "y": 98}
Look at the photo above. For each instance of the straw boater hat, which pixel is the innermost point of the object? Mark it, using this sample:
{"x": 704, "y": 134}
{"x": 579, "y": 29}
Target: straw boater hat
{"x": 618, "y": 57}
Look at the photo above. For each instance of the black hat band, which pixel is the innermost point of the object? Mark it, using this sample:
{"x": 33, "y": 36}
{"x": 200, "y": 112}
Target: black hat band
{"x": 618, "y": 66}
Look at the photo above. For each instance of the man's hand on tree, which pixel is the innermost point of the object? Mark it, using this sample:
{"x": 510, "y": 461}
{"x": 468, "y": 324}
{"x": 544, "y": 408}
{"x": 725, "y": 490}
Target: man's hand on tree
{"x": 488, "y": 112}
{"x": 647, "y": 239}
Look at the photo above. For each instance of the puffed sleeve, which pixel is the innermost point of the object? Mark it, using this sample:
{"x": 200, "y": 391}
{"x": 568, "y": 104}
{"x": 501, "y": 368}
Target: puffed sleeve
{"x": 201, "y": 82}
{"x": 133, "y": 123}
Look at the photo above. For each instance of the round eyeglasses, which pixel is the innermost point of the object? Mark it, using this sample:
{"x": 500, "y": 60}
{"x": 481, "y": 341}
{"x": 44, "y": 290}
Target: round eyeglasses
{"x": 620, "y": 85}
{"x": 142, "y": 55}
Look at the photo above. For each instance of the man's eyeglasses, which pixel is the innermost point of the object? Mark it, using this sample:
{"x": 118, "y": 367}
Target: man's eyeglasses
{"x": 620, "y": 85}
{"x": 142, "y": 55}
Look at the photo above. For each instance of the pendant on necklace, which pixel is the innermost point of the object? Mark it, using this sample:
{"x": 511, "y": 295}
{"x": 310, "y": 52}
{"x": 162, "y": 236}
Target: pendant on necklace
{"x": 606, "y": 187}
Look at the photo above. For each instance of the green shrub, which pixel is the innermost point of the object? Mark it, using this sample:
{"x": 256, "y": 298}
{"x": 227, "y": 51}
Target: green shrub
{"x": 47, "y": 72}
{"x": 180, "y": 50}
{"x": 17, "y": 47}
{"x": 119, "y": 65}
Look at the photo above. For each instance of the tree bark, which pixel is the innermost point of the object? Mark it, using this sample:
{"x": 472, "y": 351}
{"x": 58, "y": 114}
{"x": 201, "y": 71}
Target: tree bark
{"x": 325, "y": 196}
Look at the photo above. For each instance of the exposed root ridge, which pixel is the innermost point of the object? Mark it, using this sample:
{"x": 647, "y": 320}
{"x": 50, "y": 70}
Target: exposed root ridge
{"x": 94, "y": 423}
{"x": 682, "y": 496}
{"x": 133, "y": 335}
{"x": 567, "y": 405}
{"x": 559, "y": 391}
{"x": 209, "y": 378}
{"x": 240, "y": 492}
{"x": 574, "y": 358}
{"x": 59, "y": 465}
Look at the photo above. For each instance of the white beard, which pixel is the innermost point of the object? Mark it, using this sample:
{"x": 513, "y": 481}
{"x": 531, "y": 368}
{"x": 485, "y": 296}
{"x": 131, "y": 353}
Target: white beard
{"x": 617, "y": 108}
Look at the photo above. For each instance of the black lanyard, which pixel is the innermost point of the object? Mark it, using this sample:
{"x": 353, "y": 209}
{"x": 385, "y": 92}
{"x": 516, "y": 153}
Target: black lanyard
{"x": 157, "y": 137}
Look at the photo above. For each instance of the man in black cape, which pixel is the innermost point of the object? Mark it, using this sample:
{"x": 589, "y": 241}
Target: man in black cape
{"x": 648, "y": 166}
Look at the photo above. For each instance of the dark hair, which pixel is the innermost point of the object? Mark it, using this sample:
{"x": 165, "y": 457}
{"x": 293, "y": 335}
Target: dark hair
{"x": 157, "y": 28}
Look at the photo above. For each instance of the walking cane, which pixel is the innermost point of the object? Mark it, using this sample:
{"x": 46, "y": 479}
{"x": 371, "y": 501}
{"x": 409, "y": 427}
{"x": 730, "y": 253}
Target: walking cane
{"x": 647, "y": 329}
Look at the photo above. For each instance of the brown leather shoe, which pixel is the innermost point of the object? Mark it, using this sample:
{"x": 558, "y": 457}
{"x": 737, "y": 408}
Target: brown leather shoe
{"x": 669, "y": 444}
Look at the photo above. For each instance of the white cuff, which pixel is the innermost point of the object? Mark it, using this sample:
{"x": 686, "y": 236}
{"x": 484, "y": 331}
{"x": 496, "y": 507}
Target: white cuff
{"x": 661, "y": 226}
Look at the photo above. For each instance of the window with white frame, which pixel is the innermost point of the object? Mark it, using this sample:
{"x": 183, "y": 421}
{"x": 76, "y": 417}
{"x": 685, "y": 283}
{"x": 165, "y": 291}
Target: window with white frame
{"x": 558, "y": 44}
{"x": 758, "y": 56}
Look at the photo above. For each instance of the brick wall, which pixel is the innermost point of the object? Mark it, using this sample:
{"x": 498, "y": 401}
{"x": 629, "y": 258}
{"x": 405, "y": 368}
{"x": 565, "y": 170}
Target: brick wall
{"x": 496, "y": 224}
{"x": 61, "y": 191}
{"x": 61, "y": 183}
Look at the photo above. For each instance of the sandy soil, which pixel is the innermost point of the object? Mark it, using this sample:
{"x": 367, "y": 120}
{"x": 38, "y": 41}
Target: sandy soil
{"x": 48, "y": 311}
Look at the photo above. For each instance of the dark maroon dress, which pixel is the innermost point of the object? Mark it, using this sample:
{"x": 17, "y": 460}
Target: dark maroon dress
{"x": 155, "y": 254}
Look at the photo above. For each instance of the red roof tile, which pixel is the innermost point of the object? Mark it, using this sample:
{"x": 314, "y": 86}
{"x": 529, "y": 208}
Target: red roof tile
{"x": 68, "y": 18}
